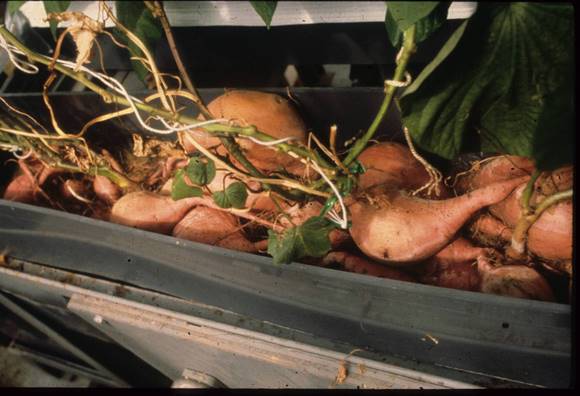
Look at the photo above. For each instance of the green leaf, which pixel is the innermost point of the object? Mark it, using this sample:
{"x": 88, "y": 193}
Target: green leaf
{"x": 237, "y": 194}
{"x": 14, "y": 6}
{"x": 180, "y": 189}
{"x": 200, "y": 171}
{"x": 55, "y": 6}
{"x": 220, "y": 198}
{"x": 428, "y": 25}
{"x": 558, "y": 122}
{"x": 393, "y": 30}
{"x": 309, "y": 239}
{"x": 282, "y": 247}
{"x": 500, "y": 84}
{"x": 265, "y": 9}
{"x": 136, "y": 17}
{"x": 424, "y": 27}
{"x": 406, "y": 13}
{"x": 234, "y": 196}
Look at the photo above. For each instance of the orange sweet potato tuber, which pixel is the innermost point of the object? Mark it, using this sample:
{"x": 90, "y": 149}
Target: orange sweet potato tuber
{"x": 393, "y": 227}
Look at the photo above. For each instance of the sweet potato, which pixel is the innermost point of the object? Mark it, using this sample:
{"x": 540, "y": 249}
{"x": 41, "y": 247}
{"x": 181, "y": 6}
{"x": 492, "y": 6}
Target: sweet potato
{"x": 76, "y": 190}
{"x": 106, "y": 190}
{"x": 518, "y": 281}
{"x": 500, "y": 168}
{"x": 558, "y": 180}
{"x": 300, "y": 213}
{"x": 392, "y": 227}
{"x": 360, "y": 265}
{"x": 490, "y": 231}
{"x": 21, "y": 189}
{"x": 26, "y": 185}
{"x": 393, "y": 164}
{"x": 453, "y": 267}
{"x": 550, "y": 237}
{"x": 270, "y": 113}
{"x": 213, "y": 227}
{"x": 458, "y": 251}
{"x": 151, "y": 212}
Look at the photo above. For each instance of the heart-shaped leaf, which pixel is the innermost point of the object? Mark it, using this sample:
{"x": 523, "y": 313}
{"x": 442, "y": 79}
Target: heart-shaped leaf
{"x": 309, "y": 239}
{"x": 181, "y": 189}
{"x": 200, "y": 170}
{"x": 234, "y": 196}
{"x": 504, "y": 88}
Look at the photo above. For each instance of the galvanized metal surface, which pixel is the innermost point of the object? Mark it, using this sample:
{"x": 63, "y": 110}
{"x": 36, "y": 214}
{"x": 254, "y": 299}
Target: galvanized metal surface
{"x": 241, "y": 13}
{"x": 237, "y": 357}
{"x": 56, "y": 287}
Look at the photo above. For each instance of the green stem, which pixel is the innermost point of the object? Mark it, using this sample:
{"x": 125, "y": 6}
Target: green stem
{"x": 116, "y": 178}
{"x": 408, "y": 49}
{"x": 235, "y": 150}
{"x": 527, "y": 193}
{"x": 249, "y": 131}
{"x": 552, "y": 200}
{"x": 520, "y": 233}
{"x": 360, "y": 144}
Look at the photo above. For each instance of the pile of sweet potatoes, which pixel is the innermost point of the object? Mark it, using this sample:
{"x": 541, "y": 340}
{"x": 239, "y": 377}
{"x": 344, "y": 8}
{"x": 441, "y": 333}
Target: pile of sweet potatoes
{"x": 456, "y": 238}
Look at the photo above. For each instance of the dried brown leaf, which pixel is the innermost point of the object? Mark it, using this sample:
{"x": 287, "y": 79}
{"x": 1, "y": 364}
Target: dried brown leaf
{"x": 83, "y": 31}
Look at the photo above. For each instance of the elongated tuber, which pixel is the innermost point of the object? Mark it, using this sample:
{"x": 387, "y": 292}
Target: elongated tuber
{"x": 151, "y": 212}
{"x": 270, "y": 114}
{"x": 550, "y": 236}
{"x": 392, "y": 227}
{"x": 213, "y": 227}
{"x": 518, "y": 281}
{"x": 392, "y": 164}
{"x": 361, "y": 265}
{"x": 493, "y": 169}
{"x": 489, "y": 231}
{"x": 106, "y": 190}
{"x": 453, "y": 267}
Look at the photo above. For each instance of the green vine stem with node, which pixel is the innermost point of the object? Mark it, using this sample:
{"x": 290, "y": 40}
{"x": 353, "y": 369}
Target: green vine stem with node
{"x": 391, "y": 86}
{"x": 529, "y": 215}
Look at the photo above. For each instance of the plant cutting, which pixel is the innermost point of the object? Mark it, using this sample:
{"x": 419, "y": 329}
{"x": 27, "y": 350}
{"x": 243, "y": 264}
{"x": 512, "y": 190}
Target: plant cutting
{"x": 500, "y": 85}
